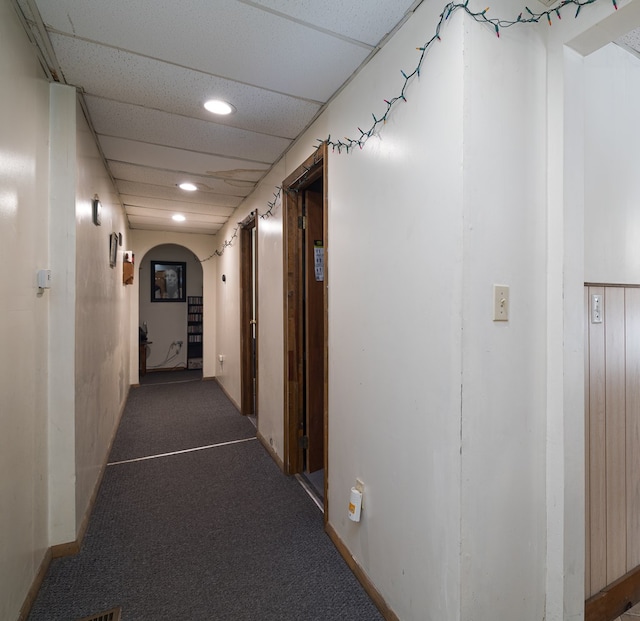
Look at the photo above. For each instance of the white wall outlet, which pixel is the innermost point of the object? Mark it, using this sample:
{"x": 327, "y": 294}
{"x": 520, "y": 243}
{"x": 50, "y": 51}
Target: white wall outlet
{"x": 500, "y": 303}
{"x": 359, "y": 486}
{"x": 220, "y": 358}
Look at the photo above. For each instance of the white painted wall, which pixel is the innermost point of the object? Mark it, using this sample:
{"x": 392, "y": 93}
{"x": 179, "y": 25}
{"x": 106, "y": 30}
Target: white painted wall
{"x": 566, "y": 261}
{"x": 61, "y": 346}
{"x": 100, "y": 321}
{"x": 468, "y": 434}
{"x": 167, "y": 321}
{"x": 395, "y": 269}
{"x": 503, "y": 379}
{"x": 24, "y": 248}
{"x": 612, "y": 183}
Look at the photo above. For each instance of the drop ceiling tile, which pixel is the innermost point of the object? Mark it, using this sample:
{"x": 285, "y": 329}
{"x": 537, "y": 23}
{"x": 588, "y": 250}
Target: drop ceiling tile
{"x": 632, "y": 39}
{"x": 154, "y": 126}
{"x": 155, "y": 156}
{"x": 229, "y": 39}
{"x": 199, "y": 198}
{"x": 192, "y": 218}
{"x": 154, "y": 176}
{"x": 121, "y": 76}
{"x": 151, "y": 224}
{"x": 165, "y": 205}
{"x": 361, "y": 20}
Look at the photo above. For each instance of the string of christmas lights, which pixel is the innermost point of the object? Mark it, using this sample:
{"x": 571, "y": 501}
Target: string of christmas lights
{"x": 347, "y": 144}
{"x": 267, "y": 214}
{"x": 526, "y": 17}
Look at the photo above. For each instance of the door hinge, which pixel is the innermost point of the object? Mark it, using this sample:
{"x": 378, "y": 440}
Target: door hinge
{"x": 304, "y": 442}
{"x": 302, "y": 222}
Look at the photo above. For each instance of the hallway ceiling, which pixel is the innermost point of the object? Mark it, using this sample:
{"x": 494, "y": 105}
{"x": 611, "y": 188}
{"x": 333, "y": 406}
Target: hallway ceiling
{"x": 145, "y": 68}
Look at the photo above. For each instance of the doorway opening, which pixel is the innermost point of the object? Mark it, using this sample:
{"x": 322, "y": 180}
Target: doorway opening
{"x": 305, "y": 330}
{"x": 248, "y": 316}
{"x": 170, "y": 325}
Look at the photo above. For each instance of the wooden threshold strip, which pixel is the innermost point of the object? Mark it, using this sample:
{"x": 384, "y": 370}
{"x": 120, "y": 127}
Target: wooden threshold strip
{"x": 615, "y": 599}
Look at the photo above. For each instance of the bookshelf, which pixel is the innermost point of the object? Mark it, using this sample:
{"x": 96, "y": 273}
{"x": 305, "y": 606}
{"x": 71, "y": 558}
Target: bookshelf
{"x": 194, "y": 332}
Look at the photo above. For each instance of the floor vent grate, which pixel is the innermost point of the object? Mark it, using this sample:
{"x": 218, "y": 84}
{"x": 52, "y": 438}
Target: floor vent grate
{"x": 109, "y": 615}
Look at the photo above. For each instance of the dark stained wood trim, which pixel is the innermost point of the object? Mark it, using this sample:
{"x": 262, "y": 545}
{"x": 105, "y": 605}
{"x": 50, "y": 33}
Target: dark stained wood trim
{"x": 246, "y": 284}
{"x": 600, "y": 284}
{"x": 35, "y": 586}
{"x": 309, "y": 171}
{"x": 325, "y": 232}
{"x": 361, "y": 575}
{"x": 615, "y": 599}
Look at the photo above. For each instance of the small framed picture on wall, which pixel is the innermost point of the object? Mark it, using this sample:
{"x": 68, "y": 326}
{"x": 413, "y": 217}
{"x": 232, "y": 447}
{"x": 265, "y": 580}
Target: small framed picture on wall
{"x": 168, "y": 281}
{"x": 113, "y": 249}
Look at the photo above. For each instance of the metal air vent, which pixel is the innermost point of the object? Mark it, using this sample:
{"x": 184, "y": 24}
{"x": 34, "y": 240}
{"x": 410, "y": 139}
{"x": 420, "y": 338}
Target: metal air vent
{"x": 109, "y": 615}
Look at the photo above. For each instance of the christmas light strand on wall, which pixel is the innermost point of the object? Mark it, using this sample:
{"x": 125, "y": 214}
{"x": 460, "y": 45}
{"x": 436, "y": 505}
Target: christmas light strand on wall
{"x": 347, "y": 144}
{"x": 267, "y": 214}
{"x": 526, "y": 17}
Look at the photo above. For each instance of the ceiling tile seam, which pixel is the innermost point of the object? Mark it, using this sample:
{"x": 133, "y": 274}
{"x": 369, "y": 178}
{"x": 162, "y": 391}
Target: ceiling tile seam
{"x": 155, "y": 199}
{"x": 141, "y": 226}
{"x": 162, "y": 199}
{"x": 167, "y": 204}
{"x": 48, "y": 52}
{"x": 185, "y": 116}
{"x": 207, "y": 218}
{"x": 173, "y": 147}
{"x": 165, "y": 187}
{"x": 246, "y": 182}
{"x": 300, "y": 22}
{"x": 627, "y": 48}
{"x": 152, "y": 212}
{"x": 33, "y": 35}
{"x": 172, "y": 64}
{"x": 179, "y": 172}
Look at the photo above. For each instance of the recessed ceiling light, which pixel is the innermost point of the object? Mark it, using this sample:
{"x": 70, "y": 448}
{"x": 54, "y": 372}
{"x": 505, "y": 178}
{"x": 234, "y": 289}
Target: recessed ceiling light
{"x": 217, "y": 106}
{"x": 189, "y": 187}
{"x": 178, "y": 217}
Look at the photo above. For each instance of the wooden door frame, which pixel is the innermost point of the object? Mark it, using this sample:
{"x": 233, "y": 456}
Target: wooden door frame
{"x": 312, "y": 169}
{"x": 246, "y": 297}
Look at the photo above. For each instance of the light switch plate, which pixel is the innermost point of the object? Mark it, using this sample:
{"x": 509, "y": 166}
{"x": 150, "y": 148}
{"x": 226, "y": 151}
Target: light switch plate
{"x": 596, "y": 308}
{"x": 500, "y": 303}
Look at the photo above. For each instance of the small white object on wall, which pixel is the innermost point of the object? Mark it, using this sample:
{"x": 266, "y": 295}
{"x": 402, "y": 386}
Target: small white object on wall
{"x": 355, "y": 505}
{"x": 44, "y": 279}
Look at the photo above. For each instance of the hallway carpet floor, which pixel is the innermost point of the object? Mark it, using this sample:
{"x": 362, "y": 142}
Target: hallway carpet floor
{"x": 215, "y": 533}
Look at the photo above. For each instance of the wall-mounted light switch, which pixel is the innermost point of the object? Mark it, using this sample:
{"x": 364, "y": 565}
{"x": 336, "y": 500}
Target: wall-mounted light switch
{"x": 500, "y": 303}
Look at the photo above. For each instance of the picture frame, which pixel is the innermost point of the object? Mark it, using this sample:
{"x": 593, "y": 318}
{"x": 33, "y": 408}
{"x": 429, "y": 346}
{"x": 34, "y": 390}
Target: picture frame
{"x": 96, "y": 210}
{"x": 113, "y": 249}
{"x": 168, "y": 281}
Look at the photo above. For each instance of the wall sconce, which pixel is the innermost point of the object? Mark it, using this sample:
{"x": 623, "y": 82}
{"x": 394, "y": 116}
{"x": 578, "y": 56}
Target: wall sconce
{"x": 97, "y": 210}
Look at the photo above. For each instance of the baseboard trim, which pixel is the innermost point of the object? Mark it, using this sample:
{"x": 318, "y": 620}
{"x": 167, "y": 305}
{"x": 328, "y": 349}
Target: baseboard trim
{"x": 70, "y": 548}
{"x": 361, "y": 575}
{"x": 224, "y": 390}
{"x": 270, "y": 450}
{"x": 615, "y": 599}
{"x": 35, "y": 586}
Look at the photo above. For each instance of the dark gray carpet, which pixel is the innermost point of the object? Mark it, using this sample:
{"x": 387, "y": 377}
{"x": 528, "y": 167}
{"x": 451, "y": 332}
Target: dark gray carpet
{"x": 217, "y": 534}
{"x": 167, "y": 377}
{"x": 161, "y": 418}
